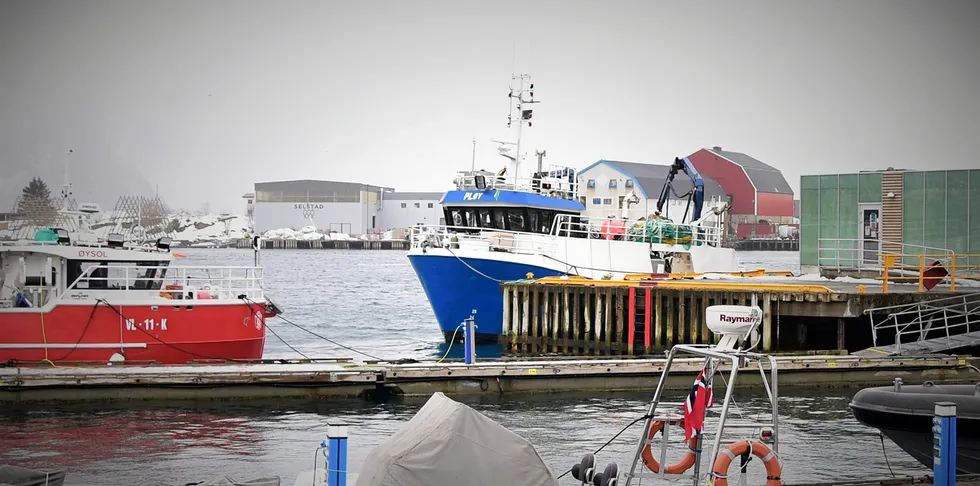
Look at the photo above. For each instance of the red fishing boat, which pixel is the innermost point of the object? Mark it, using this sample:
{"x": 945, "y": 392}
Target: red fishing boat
{"x": 65, "y": 301}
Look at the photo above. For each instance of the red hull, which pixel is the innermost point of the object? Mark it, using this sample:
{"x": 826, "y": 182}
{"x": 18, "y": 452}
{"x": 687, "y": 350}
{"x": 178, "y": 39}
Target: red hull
{"x": 172, "y": 334}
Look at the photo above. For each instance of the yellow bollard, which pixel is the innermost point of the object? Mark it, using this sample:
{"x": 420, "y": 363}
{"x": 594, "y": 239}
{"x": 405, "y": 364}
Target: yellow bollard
{"x": 889, "y": 263}
{"x": 922, "y": 269}
{"x": 952, "y": 273}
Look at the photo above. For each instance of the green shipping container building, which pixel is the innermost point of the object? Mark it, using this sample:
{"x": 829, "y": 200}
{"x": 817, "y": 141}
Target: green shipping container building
{"x": 847, "y": 220}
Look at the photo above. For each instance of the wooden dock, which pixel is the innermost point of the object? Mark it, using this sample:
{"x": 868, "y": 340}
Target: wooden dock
{"x": 269, "y": 244}
{"x": 605, "y": 318}
{"x": 767, "y": 244}
{"x": 344, "y": 378}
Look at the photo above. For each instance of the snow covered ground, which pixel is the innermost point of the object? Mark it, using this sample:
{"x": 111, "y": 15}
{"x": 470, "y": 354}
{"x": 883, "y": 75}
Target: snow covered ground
{"x": 188, "y": 229}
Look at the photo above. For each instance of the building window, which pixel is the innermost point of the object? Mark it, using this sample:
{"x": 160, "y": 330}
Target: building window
{"x": 597, "y": 201}
{"x": 629, "y": 182}
{"x": 417, "y": 205}
{"x": 607, "y": 201}
{"x": 613, "y": 183}
{"x": 404, "y": 205}
{"x": 429, "y": 205}
{"x": 591, "y": 184}
{"x": 621, "y": 200}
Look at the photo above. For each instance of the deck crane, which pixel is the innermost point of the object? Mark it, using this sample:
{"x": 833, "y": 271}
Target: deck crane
{"x": 695, "y": 195}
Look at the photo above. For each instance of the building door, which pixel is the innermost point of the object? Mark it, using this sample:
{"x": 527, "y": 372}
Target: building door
{"x": 870, "y": 235}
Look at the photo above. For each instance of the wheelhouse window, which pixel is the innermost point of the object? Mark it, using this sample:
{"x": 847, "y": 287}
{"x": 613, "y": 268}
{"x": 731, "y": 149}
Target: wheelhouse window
{"x": 526, "y": 220}
{"x": 103, "y": 275}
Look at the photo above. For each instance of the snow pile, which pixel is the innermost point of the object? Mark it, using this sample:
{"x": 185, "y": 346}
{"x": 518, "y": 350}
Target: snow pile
{"x": 306, "y": 233}
{"x": 208, "y": 228}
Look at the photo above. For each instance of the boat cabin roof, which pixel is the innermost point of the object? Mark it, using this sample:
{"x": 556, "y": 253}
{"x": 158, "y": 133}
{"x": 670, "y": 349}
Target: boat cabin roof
{"x": 78, "y": 251}
{"x": 503, "y": 198}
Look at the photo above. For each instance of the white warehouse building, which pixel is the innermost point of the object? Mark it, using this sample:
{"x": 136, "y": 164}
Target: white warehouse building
{"x": 604, "y": 186}
{"x": 344, "y": 207}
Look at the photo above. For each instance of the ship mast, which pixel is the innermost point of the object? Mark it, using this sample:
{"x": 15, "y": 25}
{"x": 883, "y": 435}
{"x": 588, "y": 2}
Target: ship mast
{"x": 519, "y": 97}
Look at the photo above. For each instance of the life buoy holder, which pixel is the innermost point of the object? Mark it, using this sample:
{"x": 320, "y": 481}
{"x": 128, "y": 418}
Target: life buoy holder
{"x": 679, "y": 467}
{"x": 774, "y": 467}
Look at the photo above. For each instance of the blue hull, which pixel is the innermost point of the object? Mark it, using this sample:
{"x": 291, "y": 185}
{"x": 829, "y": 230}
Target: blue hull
{"x": 454, "y": 290}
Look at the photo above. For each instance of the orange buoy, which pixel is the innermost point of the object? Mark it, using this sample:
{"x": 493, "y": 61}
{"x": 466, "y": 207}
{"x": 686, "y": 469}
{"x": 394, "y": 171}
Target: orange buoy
{"x": 774, "y": 468}
{"x": 678, "y": 467}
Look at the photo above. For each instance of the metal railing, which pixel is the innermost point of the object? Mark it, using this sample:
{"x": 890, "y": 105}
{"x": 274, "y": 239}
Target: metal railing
{"x": 486, "y": 239}
{"x": 653, "y": 231}
{"x": 178, "y": 283}
{"x": 556, "y": 177}
{"x": 850, "y": 253}
{"x": 919, "y": 319}
{"x": 929, "y": 270}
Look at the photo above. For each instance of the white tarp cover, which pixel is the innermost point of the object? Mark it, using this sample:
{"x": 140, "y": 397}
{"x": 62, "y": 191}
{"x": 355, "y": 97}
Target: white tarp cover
{"x": 448, "y": 443}
{"x": 19, "y": 476}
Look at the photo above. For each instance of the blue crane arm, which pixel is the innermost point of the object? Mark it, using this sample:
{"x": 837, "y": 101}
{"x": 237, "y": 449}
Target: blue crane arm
{"x": 698, "y": 193}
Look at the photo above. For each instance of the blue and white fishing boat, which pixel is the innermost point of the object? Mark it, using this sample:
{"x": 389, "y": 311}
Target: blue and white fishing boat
{"x": 503, "y": 227}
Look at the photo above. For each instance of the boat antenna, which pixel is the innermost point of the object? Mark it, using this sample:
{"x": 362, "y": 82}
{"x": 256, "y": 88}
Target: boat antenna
{"x": 473, "y": 162}
{"x": 66, "y": 187}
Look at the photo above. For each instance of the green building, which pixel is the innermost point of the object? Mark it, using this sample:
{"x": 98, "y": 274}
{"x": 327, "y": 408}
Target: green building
{"x": 848, "y": 220}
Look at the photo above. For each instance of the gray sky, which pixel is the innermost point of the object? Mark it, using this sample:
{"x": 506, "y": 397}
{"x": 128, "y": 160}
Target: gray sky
{"x": 205, "y": 98}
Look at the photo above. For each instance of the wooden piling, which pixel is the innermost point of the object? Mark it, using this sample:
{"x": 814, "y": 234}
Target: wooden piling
{"x": 767, "y": 322}
{"x": 632, "y": 320}
{"x": 566, "y": 322}
{"x": 605, "y": 319}
{"x": 647, "y": 349}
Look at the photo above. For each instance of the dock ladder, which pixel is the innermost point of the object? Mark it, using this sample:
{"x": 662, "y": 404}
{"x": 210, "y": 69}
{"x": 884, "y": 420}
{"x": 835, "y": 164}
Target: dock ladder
{"x": 728, "y": 353}
{"x": 926, "y": 327}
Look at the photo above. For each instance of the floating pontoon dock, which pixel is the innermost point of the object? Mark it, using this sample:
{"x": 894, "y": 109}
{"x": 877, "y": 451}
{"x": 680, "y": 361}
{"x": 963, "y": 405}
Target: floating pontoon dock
{"x": 343, "y": 378}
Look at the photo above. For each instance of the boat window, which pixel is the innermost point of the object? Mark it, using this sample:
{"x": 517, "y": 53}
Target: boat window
{"x": 116, "y": 275}
{"x": 533, "y": 215}
{"x": 486, "y": 219}
{"x": 149, "y": 275}
{"x": 471, "y": 220}
{"x": 499, "y": 219}
{"x": 92, "y": 277}
{"x": 545, "y": 221}
{"x": 457, "y": 217}
{"x": 515, "y": 220}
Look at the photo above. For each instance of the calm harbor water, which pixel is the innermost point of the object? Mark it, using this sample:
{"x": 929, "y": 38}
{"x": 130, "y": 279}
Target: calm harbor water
{"x": 371, "y": 301}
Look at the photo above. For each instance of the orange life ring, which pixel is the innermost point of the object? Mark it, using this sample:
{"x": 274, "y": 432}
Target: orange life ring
{"x": 678, "y": 467}
{"x": 774, "y": 468}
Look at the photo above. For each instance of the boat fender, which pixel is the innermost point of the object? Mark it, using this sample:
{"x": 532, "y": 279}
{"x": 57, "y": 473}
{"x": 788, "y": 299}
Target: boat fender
{"x": 585, "y": 469}
{"x": 719, "y": 471}
{"x": 679, "y": 467}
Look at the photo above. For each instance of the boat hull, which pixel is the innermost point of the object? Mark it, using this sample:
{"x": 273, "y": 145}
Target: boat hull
{"x": 905, "y": 417}
{"x": 171, "y": 333}
{"x": 454, "y": 289}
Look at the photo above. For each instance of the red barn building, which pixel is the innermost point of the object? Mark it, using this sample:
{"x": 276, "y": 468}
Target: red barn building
{"x": 760, "y": 195}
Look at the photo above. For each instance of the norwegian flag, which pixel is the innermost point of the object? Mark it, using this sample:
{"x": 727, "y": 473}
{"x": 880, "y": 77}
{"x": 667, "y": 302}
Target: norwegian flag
{"x": 700, "y": 399}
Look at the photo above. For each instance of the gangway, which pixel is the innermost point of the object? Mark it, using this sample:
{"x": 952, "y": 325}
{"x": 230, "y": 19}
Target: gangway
{"x": 927, "y": 327}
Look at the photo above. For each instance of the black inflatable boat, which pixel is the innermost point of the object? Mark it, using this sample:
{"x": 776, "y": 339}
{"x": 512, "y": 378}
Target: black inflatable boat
{"x": 904, "y": 414}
